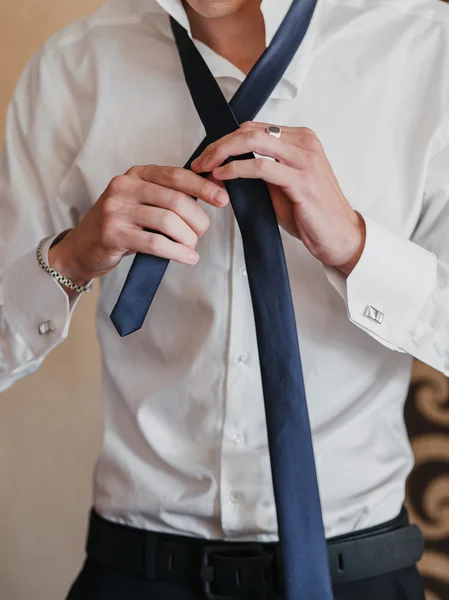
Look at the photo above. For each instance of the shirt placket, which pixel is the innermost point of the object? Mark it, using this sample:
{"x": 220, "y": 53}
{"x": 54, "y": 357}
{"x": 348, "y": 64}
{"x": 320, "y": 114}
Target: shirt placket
{"x": 242, "y": 476}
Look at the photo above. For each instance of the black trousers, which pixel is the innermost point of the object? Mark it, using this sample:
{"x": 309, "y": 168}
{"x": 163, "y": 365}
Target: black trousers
{"x": 97, "y": 582}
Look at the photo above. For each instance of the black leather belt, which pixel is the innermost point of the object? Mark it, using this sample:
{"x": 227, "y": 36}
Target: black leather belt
{"x": 224, "y": 570}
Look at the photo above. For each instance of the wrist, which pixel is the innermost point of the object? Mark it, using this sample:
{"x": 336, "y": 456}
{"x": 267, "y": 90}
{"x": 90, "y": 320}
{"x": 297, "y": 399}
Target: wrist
{"x": 357, "y": 245}
{"x": 62, "y": 258}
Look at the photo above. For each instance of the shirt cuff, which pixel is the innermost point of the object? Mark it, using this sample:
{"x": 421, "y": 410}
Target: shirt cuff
{"x": 35, "y": 305}
{"x": 389, "y": 286}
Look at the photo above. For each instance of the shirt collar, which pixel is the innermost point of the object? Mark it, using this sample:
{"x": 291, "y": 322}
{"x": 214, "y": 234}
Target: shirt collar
{"x": 273, "y": 11}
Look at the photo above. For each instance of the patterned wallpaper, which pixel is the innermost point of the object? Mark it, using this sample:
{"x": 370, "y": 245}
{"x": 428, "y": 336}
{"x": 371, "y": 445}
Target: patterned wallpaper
{"x": 427, "y": 417}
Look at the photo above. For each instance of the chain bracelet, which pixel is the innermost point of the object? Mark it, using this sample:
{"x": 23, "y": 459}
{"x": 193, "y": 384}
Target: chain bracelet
{"x": 58, "y": 276}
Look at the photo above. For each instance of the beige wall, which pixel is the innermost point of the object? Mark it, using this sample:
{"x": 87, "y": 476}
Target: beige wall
{"x": 49, "y": 422}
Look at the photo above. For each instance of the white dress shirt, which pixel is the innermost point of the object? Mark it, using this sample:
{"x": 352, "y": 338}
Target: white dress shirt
{"x": 185, "y": 444}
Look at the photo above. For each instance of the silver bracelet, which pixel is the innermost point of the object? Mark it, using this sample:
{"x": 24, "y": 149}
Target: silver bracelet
{"x": 58, "y": 276}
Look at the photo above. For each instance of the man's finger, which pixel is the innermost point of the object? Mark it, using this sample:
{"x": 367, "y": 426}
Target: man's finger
{"x": 147, "y": 242}
{"x": 300, "y": 136}
{"x": 258, "y": 141}
{"x": 182, "y": 204}
{"x": 166, "y": 222}
{"x": 258, "y": 168}
{"x": 182, "y": 180}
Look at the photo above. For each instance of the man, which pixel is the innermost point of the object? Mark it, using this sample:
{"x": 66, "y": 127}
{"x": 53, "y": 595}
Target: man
{"x": 360, "y": 188}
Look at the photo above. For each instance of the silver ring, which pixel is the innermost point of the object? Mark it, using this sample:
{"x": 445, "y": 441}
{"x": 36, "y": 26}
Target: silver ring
{"x": 274, "y": 130}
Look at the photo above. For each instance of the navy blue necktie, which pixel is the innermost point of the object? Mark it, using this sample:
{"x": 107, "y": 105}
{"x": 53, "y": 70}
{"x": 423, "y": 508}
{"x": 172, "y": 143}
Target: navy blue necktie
{"x": 304, "y": 558}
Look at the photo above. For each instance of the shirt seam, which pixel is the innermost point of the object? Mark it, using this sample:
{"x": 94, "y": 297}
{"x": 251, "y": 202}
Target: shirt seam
{"x": 64, "y": 38}
{"x": 62, "y": 91}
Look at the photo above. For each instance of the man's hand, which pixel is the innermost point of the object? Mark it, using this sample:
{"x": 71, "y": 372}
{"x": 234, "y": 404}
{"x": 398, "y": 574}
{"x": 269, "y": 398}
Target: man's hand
{"x": 307, "y": 198}
{"x": 147, "y": 197}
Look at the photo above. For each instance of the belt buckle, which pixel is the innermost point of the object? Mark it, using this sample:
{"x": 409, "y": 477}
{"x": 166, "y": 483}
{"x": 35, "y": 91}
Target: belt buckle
{"x": 207, "y": 569}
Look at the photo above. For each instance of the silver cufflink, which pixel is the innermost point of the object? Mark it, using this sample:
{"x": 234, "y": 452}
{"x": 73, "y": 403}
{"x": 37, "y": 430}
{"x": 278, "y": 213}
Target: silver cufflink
{"x": 374, "y": 314}
{"x": 46, "y": 327}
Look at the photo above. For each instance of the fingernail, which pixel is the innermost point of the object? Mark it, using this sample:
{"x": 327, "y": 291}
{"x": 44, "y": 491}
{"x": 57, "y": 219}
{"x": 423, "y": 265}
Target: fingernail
{"x": 196, "y": 162}
{"x": 193, "y": 258}
{"x": 221, "y": 197}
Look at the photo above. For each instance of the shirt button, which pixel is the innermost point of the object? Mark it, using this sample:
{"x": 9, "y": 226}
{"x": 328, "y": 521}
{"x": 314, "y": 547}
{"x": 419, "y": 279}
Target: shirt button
{"x": 235, "y": 497}
{"x": 243, "y": 359}
{"x": 244, "y": 272}
{"x": 238, "y": 438}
